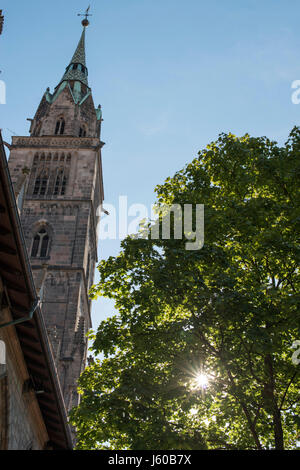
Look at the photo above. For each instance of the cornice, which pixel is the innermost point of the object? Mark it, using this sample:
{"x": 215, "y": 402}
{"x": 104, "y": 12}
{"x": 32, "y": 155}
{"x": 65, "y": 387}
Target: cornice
{"x": 56, "y": 142}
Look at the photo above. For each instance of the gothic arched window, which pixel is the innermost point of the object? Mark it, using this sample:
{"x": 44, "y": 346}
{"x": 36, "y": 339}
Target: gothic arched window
{"x": 40, "y": 244}
{"x": 44, "y": 182}
{"x": 40, "y": 185}
{"x": 37, "y": 185}
{"x": 60, "y": 184}
{"x": 60, "y": 126}
{"x": 63, "y": 186}
{"x": 57, "y": 184}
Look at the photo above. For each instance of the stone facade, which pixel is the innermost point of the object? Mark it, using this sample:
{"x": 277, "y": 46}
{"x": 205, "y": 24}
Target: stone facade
{"x": 60, "y": 203}
{"x": 21, "y": 424}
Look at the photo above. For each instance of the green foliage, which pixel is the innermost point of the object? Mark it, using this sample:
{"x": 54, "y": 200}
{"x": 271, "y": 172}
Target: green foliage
{"x": 229, "y": 310}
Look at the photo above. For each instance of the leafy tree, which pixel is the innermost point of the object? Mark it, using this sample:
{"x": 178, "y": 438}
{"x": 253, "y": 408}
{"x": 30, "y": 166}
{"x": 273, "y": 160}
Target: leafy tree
{"x": 229, "y": 311}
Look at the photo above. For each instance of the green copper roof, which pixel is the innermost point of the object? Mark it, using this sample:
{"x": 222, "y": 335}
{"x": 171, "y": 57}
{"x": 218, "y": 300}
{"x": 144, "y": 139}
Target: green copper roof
{"x": 79, "y": 55}
{"x": 77, "y": 70}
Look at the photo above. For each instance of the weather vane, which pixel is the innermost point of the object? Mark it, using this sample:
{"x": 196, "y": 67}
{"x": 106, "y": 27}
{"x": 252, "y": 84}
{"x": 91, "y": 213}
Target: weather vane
{"x": 85, "y": 22}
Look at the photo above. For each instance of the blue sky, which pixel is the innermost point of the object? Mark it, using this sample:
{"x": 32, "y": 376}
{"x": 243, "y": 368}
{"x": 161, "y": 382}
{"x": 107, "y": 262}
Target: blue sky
{"x": 170, "y": 76}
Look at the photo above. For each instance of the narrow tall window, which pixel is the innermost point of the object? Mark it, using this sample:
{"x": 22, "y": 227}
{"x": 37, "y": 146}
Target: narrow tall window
{"x": 41, "y": 184}
{"x": 57, "y": 185}
{"x": 82, "y": 131}
{"x": 37, "y": 185}
{"x": 60, "y": 184}
{"x": 40, "y": 244}
{"x": 44, "y": 246}
{"x": 63, "y": 186}
{"x": 44, "y": 182}
{"x": 35, "y": 246}
{"x": 60, "y": 126}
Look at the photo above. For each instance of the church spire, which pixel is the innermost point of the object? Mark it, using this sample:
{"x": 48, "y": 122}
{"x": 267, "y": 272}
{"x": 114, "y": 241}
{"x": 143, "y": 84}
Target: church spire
{"x": 77, "y": 70}
{"x": 79, "y": 55}
{"x": 78, "y": 116}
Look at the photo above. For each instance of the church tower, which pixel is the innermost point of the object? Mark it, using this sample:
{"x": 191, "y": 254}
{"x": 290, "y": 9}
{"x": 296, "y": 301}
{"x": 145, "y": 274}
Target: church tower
{"x": 57, "y": 177}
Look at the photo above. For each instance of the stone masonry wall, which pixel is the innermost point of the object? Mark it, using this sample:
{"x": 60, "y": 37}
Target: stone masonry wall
{"x": 25, "y": 425}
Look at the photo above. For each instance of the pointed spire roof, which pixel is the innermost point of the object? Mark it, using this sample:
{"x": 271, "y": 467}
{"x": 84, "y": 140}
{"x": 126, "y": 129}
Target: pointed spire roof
{"x": 77, "y": 69}
{"x": 79, "y": 55}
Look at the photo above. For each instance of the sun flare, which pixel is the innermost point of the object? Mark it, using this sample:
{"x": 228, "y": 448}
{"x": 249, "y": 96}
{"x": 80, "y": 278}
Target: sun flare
{"x": 201, "y": 380}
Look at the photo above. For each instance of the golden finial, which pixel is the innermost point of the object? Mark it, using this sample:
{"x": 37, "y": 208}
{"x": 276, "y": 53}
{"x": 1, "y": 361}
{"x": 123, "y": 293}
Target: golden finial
{"x": 85, "y": 22}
